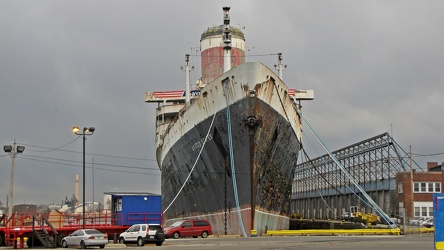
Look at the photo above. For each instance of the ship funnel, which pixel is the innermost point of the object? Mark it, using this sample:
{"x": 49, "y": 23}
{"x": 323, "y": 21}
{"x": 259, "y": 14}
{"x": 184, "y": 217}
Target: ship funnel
{"x": 212, "y": 46}
{"x": 226, "y": 39}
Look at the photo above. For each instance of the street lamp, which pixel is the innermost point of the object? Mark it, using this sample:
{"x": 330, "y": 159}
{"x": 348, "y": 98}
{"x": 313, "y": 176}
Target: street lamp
{"x": 13, "y": 151}
{"x": 86, "y": 131}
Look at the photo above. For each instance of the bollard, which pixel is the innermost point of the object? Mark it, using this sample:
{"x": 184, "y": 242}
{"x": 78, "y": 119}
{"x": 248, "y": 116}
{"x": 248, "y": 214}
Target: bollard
{"x": 115, "y": 238}
{"x": 253, "y": 233}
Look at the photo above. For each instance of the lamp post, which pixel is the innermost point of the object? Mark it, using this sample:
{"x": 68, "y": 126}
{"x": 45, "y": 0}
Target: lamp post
{"x": 13, "y": 151}
{"x": 86, "y": 131}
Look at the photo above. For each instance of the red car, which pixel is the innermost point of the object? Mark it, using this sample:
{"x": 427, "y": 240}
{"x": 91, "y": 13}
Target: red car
{"x": 186, "y": 228}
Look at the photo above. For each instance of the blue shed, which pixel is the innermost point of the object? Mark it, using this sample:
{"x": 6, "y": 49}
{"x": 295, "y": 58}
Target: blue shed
{"x": 131, "y": 208}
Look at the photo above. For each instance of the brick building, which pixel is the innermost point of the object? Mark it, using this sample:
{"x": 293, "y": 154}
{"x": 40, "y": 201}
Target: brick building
{"x": 415, "y": 190}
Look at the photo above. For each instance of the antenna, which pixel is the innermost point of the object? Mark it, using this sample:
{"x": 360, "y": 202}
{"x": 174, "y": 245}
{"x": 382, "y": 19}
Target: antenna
{"x": 187, "y": 76}
{"x": 280, "y": 67}
{"x": 226, "y": 39}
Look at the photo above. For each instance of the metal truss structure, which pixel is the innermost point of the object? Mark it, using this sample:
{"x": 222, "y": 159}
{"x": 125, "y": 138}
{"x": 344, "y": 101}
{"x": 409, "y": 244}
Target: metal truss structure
{"x": 321, "y": 189}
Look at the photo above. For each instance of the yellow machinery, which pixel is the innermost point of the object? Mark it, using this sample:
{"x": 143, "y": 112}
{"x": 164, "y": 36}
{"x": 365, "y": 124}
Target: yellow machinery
{"x": 357, "y": 216}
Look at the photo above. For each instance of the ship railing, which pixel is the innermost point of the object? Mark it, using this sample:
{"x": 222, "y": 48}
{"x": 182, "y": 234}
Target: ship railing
{"x": 167, "y": 113}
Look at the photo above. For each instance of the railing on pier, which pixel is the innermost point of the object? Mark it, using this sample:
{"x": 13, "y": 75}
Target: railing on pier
{"x": 21, "y": 225}
{"x": 103, "y": 218}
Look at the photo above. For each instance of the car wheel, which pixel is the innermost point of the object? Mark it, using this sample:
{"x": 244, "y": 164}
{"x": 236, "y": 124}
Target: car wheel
{"x": 176, "y": 235}
{"x": 140, "y": 241}
{"x": 82, "y": 244}
{"x": 33, "y": 242}
{"x": 122, "y": 240}
{"x": 59, "y": 239}
{"x": 204, "y": 234}
{"x": 159, "y": 243}
{"x": 28, "y": 242}
{"x": 64, "y": 244}
{"x": 102, "y": 246}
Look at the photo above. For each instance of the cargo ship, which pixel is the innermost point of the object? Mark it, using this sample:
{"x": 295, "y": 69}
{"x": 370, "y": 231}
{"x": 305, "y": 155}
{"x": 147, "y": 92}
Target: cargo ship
{"x": 227, "y": 148}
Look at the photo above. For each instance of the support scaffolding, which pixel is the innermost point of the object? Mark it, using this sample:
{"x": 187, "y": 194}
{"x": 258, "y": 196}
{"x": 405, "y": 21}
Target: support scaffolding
{"x": 321, "y": 190}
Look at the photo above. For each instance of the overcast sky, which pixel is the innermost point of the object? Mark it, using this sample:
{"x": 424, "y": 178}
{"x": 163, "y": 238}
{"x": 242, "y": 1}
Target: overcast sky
{"x": 375, "y": 67}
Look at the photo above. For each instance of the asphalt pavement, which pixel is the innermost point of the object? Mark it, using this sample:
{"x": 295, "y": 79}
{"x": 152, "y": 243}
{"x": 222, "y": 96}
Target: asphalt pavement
{"x": 379, "y": 242}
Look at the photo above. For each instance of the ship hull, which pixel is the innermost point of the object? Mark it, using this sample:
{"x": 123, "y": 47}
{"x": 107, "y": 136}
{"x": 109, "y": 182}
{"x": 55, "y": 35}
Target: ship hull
{"x": 265, "y": 132}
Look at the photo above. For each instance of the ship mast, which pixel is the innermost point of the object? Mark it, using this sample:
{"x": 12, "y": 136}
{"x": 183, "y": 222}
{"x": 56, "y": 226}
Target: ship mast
{"x": 280, "y": 67}
{"x": 227, "y": 40}
{"x": 187, "y": 76}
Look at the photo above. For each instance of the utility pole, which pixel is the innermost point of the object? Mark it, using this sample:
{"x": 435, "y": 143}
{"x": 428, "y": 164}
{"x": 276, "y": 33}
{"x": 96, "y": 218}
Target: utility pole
{"x": 411, "y": 183}
{"x": 13, "y": 151}
{"x": 86, "y": 131}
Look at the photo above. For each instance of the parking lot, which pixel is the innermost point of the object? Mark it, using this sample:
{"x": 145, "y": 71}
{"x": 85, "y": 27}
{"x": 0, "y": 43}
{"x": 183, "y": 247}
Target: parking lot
{"x": 407, "y": 242}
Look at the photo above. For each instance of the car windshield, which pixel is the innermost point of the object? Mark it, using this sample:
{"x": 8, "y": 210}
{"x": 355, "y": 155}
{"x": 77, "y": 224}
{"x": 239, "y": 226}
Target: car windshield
{"x": 177, "y": 223}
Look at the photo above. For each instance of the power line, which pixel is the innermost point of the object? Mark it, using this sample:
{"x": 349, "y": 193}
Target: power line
{"x": 77, "y": 152}
{"x": 33, "y": 157}
{"x": 420, "y": 155}
{"x": 50, "y": 149}
{"x": 102, "y": 169}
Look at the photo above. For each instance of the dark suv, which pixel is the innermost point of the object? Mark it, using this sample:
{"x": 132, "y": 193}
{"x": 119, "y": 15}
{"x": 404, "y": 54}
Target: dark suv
{"x": 143, "y": 233}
